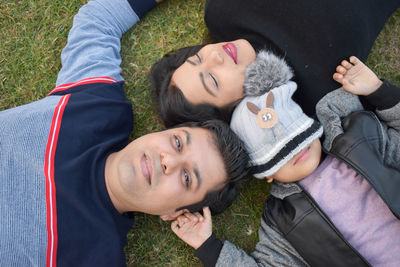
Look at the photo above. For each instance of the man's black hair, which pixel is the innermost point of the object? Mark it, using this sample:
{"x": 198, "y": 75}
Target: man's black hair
{"x": 235, "y": 158}
{"x": 169, "y": 99}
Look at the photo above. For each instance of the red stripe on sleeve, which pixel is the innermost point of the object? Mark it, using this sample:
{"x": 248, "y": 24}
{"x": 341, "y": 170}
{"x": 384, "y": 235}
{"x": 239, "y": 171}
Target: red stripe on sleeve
{"x": 66, "y": 86}
{"x": 51, "y": 210}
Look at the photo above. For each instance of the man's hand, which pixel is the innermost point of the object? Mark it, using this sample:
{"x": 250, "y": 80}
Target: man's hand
{"x": 193, "y": 228}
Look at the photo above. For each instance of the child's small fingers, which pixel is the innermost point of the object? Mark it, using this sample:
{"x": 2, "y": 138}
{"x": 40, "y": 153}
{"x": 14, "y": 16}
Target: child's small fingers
{"x": 207, "y": 213}
{"x": 347, "y": 65}
{"x": 337, "y": 77}
{"x": 199, "y": 216}
{"x": 191, "y": 217}
{"x": 341, "y": 70}
{"x": 175, "y": 226}
{"x": 182, "y": 219}
{"x": 354, "y": 59}
{"x": 345, "y": 84}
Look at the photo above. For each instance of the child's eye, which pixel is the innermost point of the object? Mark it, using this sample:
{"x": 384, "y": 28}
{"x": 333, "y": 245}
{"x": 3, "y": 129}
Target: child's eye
{"x": 178, "y": 143}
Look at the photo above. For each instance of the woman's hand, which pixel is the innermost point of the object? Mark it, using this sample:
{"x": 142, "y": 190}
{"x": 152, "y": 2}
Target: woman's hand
{"x": 193, "y": 228}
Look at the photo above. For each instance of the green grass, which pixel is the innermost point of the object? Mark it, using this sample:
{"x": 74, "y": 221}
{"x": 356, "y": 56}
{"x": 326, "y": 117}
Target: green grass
{"x": 33, "y": 33}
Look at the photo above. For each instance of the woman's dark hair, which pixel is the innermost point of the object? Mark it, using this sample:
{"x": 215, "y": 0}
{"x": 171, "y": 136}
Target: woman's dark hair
{"x": 235, "y": 158}
{"x": 170, "y": 101}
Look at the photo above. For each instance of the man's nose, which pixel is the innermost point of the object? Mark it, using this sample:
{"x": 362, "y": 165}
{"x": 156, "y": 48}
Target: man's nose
{"x": 170, "y": 162}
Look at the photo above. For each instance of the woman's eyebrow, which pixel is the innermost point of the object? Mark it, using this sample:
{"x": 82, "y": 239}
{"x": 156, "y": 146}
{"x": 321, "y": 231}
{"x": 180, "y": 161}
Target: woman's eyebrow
{"x": 191, "y": 62}
{"x": 205, "y": 85}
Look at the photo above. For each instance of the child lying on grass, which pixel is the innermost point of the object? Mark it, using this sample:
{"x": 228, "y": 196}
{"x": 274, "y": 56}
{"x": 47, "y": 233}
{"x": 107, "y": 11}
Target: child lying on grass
{"x": 336, "y": 205}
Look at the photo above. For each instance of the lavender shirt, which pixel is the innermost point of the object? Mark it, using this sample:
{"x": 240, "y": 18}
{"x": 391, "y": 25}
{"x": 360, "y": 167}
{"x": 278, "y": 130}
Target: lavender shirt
{"x": 357, "y": 211}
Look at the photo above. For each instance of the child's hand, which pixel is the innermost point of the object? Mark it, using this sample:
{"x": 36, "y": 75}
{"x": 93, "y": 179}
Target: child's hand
{"x": 356, "y": 77}
{"x": 194, "y": 229}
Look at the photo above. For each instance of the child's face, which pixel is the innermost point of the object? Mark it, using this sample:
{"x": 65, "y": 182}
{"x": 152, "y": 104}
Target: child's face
{"x": 301, "y": 165}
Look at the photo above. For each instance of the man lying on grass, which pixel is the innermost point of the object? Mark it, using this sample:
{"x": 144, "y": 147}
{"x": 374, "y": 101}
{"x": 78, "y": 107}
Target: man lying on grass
{"x": 70, "y": 181}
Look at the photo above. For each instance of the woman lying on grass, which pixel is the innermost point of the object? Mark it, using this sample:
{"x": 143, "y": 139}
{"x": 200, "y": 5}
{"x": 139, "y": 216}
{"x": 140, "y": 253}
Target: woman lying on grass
{"x": 207, "y": 81}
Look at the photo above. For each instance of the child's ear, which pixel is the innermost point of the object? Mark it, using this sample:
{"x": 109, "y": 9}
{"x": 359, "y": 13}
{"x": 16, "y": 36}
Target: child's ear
{"x": 269, "y": 179}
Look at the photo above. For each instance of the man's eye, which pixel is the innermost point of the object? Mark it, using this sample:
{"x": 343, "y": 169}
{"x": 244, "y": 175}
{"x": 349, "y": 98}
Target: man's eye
{"x": 178, "y": 143}
{"x": 198, "y": 58}
{"x": 187, "y": 178}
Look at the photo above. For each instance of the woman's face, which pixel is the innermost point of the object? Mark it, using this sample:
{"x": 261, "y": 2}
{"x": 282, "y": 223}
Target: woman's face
{"x": 216, "y": 74}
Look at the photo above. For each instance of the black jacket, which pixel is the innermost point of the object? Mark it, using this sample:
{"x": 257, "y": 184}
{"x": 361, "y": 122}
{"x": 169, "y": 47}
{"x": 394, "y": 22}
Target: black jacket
{"x": 298, "y": 216}
{"x": 363, "y": 144}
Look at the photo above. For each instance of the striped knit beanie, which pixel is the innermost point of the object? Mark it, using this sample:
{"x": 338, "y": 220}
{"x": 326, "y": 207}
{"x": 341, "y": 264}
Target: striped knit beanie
{"x": 274, "y": 128}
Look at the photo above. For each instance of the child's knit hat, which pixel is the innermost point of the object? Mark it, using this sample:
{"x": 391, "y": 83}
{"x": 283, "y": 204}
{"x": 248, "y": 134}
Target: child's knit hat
{"x": 274, "y": 128}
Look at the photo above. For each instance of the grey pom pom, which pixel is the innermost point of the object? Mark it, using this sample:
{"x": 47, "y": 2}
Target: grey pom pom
{"x": 265, "y": 73}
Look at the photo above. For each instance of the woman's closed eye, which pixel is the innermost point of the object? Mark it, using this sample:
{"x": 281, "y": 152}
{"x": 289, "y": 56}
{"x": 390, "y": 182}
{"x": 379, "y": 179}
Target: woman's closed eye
{"x": 214, "y": 80}
{"x": 198, "y": 58}
{"x": 194, "y": 60}
{"x": 208, "y": 79}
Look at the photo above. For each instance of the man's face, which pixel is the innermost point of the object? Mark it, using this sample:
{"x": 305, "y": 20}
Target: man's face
{"x": 163, "y": 171}
{"x": 216, "y": 74}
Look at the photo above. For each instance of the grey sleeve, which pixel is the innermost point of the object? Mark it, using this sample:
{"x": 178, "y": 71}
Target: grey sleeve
{"x": 390, "y": 119}
{"x": 271, "y": 250}
{"x": 336, "y": 105}
{"x": 93, "y": 46}
{"x": 332, "y": 108}
{"x": 387, "y": 103}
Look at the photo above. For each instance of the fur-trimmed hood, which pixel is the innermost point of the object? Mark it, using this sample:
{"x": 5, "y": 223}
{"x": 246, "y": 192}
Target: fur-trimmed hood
{"x": 265, "y": 73}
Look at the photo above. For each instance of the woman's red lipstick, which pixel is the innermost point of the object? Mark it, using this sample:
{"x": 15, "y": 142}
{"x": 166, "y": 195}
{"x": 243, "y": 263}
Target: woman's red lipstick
{"x": 231, "y": 50}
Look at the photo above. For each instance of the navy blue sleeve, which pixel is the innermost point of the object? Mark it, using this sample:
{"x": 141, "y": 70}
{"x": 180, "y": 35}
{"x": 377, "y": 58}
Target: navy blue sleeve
{"x": 141, "y": 7}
